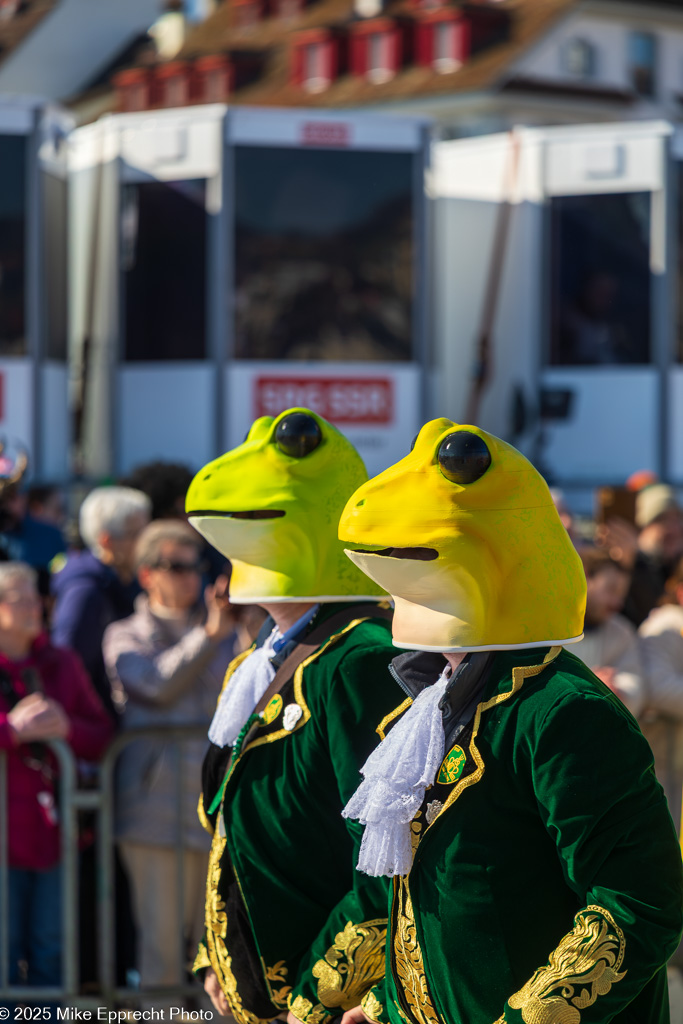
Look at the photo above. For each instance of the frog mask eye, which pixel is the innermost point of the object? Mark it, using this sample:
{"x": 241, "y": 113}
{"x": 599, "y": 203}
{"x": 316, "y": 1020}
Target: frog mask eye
{"x": 463, "y": 457}
{"x": 297, "y": 435}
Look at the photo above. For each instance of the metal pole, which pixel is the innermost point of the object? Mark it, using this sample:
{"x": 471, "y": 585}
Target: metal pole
{"x": 69, "y": 865}
{"x": 4, "y": 887}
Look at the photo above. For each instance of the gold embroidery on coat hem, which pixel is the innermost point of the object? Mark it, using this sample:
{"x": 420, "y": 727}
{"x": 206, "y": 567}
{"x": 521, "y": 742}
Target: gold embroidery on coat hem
{"x": 352, "y": 965}
{"x": 216, "y": 930}
{"x": 408, "y": 959}
{"x": 202, "y": 959}
{"x": 371, "y": 1006}
{"x": 277, "y": 975}
{"x": 584, "y": 966}
{"x": 304, "y": 1010}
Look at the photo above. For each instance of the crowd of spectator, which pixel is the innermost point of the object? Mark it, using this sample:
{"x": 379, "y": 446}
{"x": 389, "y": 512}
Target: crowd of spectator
{"x": 633, "y": 631}
{"x": 129, "y": 627}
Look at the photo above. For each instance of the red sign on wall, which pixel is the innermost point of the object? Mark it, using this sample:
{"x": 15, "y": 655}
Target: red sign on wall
{"x": 325, "y": 133}
{"x": 361, "y": 401}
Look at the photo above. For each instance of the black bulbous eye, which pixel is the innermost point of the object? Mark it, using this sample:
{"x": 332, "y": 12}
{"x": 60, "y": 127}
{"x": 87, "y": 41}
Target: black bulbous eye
{"x": 463, "y": 457}
{"x": 298, "y": 435}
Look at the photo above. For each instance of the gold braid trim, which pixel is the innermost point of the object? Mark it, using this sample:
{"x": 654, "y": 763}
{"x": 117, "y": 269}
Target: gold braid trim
{"x": 201, "y": 814}
{"x": 372, "y": 1007}
{"x": 584, "y": 966}
{"x": 233, "y": 666}
{"x": 216, "y": 930}
{"x": 388, "y": 719}
{"x": 304, "y": 1010}
{"x": 519, "y": 674}
{"x": 352, "y": 965}
{"x": 408, "y": 959}
{"x": 299, "y": 698}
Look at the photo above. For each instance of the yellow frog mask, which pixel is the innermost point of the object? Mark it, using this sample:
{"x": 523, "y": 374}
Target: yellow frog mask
{"x": 463, "y": 534}
{"x": 272, "y": 506}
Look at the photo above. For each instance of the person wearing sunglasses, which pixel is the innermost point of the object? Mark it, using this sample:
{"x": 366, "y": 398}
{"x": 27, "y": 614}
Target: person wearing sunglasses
{"x": 167, "y": 662}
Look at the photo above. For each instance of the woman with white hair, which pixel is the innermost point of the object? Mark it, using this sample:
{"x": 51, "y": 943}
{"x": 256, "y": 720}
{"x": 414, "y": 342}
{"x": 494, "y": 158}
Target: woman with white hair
{"x": 169, "y": 659}
{"x": 44, "y": 695}
{"x": 97, "y": 586}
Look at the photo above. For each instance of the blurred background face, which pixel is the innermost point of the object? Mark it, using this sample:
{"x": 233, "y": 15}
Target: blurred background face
{"x": 21, "y": 611}
{"x": 607, "y": 591}
{"x": 121, "y": 549}
{"x": 175, "y": 581}
{"x": 664, "y": 536}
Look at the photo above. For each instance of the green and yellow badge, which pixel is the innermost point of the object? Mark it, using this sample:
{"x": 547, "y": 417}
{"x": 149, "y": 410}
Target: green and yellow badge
{"x": 452, "y": 766}
{"x": 272, "y": 709}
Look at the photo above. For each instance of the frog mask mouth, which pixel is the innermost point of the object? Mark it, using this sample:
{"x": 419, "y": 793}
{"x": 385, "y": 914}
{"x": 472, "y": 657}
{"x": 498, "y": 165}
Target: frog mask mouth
{"x": 412, "y": 554}
{"x": 272, "y": 505}
{"x": 259, "y": 513}
{"x": 463, "y": 534}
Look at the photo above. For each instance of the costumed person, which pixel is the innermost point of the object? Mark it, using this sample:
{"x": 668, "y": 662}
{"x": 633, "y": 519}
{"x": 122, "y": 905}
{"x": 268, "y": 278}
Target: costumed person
{"x": 536, "y": 871}
{"x": 289, "y": 921}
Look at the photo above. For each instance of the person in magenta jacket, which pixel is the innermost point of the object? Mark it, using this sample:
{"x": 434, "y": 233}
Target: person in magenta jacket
{"x": 45, "y": 694}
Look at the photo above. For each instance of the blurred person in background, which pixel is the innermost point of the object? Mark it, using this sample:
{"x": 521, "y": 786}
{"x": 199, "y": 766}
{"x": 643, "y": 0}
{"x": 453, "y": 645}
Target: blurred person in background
{"x": 97, "y": 586}
{"x": 46, "y": 504}
{"x": 649, "y": 551}
{"x": 169, "y": 659}
{"x": 166, "y": 484}
{"x": 26, "y": 538}
{"x": 45, "y": 694}
{"x": 564, "y": 512}
{"x": 610, "y": 644}
{"x": 662, "y": 719}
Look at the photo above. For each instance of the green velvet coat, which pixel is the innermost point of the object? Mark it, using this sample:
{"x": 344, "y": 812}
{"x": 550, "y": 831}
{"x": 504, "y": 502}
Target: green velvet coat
{"x": 318, "y": 926}
{"x": 546, "y": 884}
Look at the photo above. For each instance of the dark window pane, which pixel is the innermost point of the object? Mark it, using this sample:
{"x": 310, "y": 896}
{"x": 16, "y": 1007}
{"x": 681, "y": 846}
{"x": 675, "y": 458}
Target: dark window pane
{"x": 12, "y": 244}
{"x": 323, "y": 254}
{"x": 642, "y": 53}
{"x": 55, "y": 264}
{"x": 163, "y": 249}
{"x": 600, "y": 275}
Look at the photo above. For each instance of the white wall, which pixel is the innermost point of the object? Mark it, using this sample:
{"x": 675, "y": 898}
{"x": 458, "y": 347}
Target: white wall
{"x": 609, "y": 36}
{"x": 73, "y": 43}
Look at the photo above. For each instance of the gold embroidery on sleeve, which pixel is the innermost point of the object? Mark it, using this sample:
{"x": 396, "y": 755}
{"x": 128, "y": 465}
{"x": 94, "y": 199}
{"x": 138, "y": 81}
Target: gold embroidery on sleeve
{"x": 408, "y": 959}
{"x": 584, "y": 966}
{"x": 304, "y": 1010}
{"x": 277, "y": 975}
{"x": 372, "y": 1007}
{"x": 352, "y": 965}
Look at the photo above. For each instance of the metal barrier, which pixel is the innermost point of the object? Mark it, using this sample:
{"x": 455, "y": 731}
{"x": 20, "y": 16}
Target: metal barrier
{"x": 101, "y": 801}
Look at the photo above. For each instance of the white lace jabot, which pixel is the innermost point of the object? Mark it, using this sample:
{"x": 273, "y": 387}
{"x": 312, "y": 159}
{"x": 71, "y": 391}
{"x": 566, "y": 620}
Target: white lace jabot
{"x": 396, "y": 776}
{"x": 245, "y": 688}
